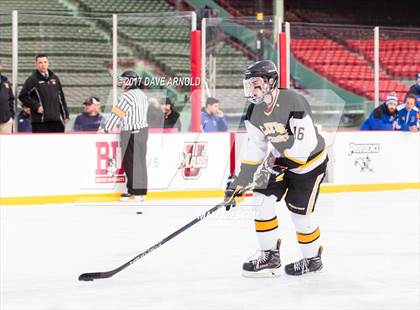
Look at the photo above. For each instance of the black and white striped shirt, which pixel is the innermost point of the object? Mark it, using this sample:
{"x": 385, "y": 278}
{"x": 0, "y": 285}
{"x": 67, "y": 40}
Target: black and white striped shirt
{"x": 131, "y": 109}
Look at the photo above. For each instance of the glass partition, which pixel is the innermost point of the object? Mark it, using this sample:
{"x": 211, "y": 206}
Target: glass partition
{"x": 79, "y": 51}
{"x": 231, "y": 45}
{"x": 399, "y": 57}
{"x": 157, "y": 47}
{"x": 331, "y": 57}
{"x": 323, "y": 57}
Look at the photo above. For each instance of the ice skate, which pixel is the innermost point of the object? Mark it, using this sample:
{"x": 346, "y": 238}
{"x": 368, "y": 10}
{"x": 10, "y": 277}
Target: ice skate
{"x": 266, "y": 265}
{"x": 305, "y": 265}
{"x": 138, "y": 198}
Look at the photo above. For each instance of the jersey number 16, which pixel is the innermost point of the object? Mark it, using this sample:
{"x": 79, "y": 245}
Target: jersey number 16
{"x": 299, "y": 132}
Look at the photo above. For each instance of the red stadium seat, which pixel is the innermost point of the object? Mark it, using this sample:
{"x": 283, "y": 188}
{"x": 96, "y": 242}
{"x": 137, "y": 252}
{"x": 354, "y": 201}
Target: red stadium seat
{"x": 352, "y": 71}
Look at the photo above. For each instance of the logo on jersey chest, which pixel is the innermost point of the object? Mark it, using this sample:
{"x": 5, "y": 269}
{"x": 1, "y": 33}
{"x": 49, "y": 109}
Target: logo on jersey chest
{"x": 274, "y": 131}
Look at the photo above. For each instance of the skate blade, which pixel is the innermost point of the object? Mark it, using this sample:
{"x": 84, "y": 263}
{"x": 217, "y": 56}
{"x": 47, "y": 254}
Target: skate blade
{"x": 307, "y": 274}
{"x": 266, "y": 273}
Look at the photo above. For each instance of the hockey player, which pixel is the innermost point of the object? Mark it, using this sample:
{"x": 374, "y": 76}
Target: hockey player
{"x": 281, "y": 118}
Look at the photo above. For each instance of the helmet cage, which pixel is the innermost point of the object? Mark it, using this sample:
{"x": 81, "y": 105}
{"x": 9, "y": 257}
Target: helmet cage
{"x": 254, "y": 82}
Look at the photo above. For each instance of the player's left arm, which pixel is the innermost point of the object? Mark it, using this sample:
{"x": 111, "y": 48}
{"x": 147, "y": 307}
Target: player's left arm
{"x": 304, "y": 141}
{"x": 118, "y": 112}
{"x": 222, "y": 124}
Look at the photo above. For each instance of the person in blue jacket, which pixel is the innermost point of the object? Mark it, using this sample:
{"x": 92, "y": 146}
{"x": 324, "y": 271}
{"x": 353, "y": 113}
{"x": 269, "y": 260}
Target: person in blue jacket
{"x": 212, "y": 118}
{"x": 90, "y": 119}
{"x": 407, "y": 114}
{"x": 383, "y": 117}
{"x": 24, "y": 120}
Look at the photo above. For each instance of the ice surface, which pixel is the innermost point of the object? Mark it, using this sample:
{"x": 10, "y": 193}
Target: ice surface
{"x": 371, "y": 256}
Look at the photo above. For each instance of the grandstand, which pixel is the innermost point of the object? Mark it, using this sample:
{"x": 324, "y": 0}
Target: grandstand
{"x": 77, "y": 35}
{"x": 78, "y": 52}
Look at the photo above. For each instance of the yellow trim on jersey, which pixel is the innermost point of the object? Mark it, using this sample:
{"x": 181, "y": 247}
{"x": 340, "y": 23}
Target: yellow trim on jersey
{"x": 120, "y": 113}
{"x": 280, "y": 178}
{"x": 311, "y": 161}
{"x": 262, "y": 226}
{"x": 308, "y": 238}
{"x": 300, "y": 162}
{"x": 250, "y": 162}
{"x": 271, "y": 110}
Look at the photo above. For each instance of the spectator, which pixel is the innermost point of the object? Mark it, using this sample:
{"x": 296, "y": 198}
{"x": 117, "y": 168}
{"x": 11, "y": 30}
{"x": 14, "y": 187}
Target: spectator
{"x": 90, "y": 119}
{"x": 154, "y": 114}
{"x": 383, "y": 117}
{"x": 171, "y": 117}
{"x": 415, "y": 90}
{"x": 407, "y": 114}
{"x": 42, "y": 92}
{"x": 24, "y": 120}
{"x": 212, "y": 118}
{"x": 7, "y": 105}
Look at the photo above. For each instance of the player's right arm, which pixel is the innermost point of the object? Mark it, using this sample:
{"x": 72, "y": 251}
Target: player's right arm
{"x": 253, "y": 154}
{"x": 25, "y": 94}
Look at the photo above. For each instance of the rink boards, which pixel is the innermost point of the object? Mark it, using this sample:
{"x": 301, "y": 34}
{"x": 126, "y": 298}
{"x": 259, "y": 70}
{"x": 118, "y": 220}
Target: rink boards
{"x": 54, "y": 168}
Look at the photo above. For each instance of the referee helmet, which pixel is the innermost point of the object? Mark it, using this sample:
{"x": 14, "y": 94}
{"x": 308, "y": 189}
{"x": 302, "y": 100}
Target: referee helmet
{"x": 129, "y": 80}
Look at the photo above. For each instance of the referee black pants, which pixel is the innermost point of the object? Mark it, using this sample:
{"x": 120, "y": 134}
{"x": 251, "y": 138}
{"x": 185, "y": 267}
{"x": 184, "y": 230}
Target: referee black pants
{"x": 134, "y": 148}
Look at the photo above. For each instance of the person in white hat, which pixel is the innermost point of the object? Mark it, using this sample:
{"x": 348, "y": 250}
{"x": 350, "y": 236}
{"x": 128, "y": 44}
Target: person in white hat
{"x": 383, "y": 117}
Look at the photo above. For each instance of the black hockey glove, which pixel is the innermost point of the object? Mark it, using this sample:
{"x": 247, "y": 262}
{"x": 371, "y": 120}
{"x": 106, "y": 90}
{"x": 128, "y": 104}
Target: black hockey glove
{"x": 234, "y": 193}
{"x": 269, "y": 169}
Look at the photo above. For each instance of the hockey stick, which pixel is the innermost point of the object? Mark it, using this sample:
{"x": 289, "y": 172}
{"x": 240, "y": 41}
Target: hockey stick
{"x": 90, "y": 276}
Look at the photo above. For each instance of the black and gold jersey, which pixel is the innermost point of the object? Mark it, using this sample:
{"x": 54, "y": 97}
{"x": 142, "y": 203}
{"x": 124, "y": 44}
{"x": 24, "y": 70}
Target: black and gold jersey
{"x": 288, "y": 126}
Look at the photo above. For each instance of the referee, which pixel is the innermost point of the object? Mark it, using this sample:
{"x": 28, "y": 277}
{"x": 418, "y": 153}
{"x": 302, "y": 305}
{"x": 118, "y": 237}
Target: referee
{"x": 131, "y": 111}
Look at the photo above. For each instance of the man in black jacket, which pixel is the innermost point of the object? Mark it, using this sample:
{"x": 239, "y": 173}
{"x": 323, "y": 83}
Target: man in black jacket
{"x": 171, "y": 117}
{"x": 42, "y": 92}
{"x": 7, "y": 110}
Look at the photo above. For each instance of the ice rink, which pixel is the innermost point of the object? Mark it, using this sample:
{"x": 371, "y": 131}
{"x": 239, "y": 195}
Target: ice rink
{"x": 371, "y": 256}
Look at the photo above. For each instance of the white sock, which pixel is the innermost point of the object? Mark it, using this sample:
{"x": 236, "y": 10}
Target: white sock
{"x": 308, "y": 234}
{"x": 266, "y": 223}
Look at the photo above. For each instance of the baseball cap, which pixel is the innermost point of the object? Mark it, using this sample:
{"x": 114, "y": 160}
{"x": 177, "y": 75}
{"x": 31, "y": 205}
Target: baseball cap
{"x": 91, "y": 100}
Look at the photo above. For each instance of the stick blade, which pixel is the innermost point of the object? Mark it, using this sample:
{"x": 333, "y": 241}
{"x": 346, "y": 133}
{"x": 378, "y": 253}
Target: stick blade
{"x": 91, "y": 276}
